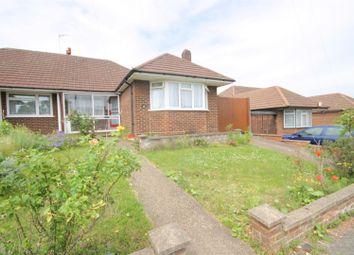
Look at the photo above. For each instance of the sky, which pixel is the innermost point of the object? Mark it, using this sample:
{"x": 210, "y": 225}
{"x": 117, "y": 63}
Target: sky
{"x": 306, "y": 46}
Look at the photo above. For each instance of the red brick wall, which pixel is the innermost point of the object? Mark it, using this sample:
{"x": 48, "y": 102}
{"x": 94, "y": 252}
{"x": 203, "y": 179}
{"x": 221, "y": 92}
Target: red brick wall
{"x": 41, "y": 124}
{"x": 325, "y": 118}
{"x": 126, "y": 109}
{"x": 171, "y": 122}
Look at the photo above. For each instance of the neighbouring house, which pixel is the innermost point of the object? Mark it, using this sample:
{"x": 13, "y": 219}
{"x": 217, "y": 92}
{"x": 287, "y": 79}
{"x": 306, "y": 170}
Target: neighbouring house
{"x": 166, "y": 95}
{"x": 275, "y": 110}
{"x": 336, "y": 103}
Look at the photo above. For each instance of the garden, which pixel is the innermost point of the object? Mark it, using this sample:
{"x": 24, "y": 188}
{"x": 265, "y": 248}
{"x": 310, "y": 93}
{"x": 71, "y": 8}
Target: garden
{"x": 67, "y": 194}
{"x": 230, "y": 179}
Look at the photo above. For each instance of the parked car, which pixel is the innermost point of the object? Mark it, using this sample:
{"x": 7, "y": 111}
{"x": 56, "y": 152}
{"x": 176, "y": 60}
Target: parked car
{"x": 318, "y": 134}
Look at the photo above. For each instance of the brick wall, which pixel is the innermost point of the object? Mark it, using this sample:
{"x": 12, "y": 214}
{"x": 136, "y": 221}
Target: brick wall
{"x": 275, "y": 230}
{"x": 126, "y": 109}
{"x": 38, "y": 124}
{"x": 170, "y": 122}
{"x": 325, "y": 118}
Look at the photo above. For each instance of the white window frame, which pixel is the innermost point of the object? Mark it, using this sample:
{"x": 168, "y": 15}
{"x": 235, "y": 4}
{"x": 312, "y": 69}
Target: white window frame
{"x": 293, "y": 112}
{"x": 165, "y": 86}
{"x": 36, "y": 115}
{"x": 67, "y": 125}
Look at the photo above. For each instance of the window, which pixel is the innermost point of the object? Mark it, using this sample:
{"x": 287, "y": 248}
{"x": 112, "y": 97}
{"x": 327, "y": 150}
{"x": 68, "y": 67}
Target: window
{"x": 178, "y": 96}
{"x": 103, "y": 108}
{"x": 297, "y": 118}
{"x": 333, "y": 131}
{"x": 157, "y": 95}
{"x": 311, "y": 132}
{"x": 27, "y": 105}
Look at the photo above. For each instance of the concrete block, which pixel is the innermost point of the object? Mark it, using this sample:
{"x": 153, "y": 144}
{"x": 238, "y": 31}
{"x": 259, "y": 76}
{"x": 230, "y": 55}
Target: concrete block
{"x": 169, "y": 239}
{"x": 296, "y": 218}
{"x": 267, "y": 215}
{"x": 146, "y": 251}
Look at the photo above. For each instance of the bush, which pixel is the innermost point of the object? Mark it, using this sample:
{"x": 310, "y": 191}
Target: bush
{"x": 5, "y": 128}
{"x": 53, "y": 204}
{"x": 236, "y": 137}
{"x": 61, "y": 140}
{"x": 21, "y": 138}
{"x": 200, "y": 142}
{"x": 83, "y": 123}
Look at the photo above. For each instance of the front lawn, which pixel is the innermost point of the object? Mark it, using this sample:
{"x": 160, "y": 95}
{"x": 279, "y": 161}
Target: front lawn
{"x": 228, "y": 180}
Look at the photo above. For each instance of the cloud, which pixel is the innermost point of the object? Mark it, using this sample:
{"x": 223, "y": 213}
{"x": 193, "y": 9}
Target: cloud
{"x": 302, "y": 45}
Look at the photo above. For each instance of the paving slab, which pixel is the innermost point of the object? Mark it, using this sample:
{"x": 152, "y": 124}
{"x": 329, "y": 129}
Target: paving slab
{"x": 166, "y": 203}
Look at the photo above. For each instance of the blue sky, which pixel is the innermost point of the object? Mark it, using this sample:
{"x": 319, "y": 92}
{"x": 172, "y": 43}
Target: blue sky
{"x": 303, "y": 45}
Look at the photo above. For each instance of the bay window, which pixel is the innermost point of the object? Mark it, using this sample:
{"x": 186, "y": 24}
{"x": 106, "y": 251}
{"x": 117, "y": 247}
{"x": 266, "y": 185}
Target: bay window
{"x": 103, "y": 109}
{"x": 29, "y": 105}
{"x": 178, "y": 96}
{"x": 297, "y": 118}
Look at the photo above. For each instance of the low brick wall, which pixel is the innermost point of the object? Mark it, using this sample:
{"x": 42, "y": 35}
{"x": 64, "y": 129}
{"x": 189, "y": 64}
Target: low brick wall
{"x": 155, "y": 142}
{"x": 275, "y": 230}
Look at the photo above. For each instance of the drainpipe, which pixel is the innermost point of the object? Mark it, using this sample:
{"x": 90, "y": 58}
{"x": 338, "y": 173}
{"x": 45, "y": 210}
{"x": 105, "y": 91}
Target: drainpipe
{"x": 131, "y": 106}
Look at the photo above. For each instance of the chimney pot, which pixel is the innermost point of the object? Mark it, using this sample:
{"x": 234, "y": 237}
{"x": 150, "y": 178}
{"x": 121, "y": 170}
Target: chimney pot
{"x": 68, "y": 51}
{"x": 187, "y": 55}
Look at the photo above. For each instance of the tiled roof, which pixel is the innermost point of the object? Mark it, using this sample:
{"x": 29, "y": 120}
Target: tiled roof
{"x": 276, "y": 97}
{"x": 335, "y": 101}
{"x": 235, "y": 90}
{"x": 170, "y": 64}
{"x": 42, "y": 70}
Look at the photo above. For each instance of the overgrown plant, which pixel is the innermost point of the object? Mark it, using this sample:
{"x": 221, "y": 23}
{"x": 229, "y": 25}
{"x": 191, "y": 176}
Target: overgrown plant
{"x": 342, "y": 150}
{"x": 236, "y": 137}
{"x": 5, "y": 127}
{"x": 54, "y": 204}
{"x": 83, "y": 123}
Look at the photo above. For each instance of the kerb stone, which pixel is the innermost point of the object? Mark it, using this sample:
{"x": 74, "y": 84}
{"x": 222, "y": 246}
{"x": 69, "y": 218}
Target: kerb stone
{"x": 168, "y": 239}
{"x": 267, "y": 215}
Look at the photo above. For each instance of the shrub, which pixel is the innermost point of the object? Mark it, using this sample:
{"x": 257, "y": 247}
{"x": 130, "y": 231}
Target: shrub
{"x": 53, "y": 203}
{"x": 200, "y": 142}
{"x": 21, "y": 138}
{"x": 61, "y": 140}
{"x": 236, "y": 137}
{"x": 83, "y": 123}
{"x": 5, "y": 128}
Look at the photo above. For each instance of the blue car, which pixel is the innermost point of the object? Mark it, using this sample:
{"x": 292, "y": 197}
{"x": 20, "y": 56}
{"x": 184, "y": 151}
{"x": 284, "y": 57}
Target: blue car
{"x": 317, "y": 134}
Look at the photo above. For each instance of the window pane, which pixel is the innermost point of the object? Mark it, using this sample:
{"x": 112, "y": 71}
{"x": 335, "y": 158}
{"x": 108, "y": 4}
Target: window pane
{"x": 22, "y": 104}
{"x": 80, "y": 103}
{"x": 173, "y": 95}
{"x": 186, "y": 86}
{"x": 106, "y": 124}
{"x": 157, "y": 98}
{"x": 289, "y": 119}
{"x": 312, "y": 132}
{"x": 113, "y": 102}
{"x": 186, "y": 98}
{"x": 198, "y": 96}
{"x": 333, "y": 131}
{"x": 298, "y": 118}
{"x": 44, "y": 105}
{"x": 100, "y": 105}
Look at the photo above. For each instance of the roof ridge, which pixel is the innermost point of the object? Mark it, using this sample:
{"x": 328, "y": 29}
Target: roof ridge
{"x": 282, "y": 95}
{"x": 62, "y": 55}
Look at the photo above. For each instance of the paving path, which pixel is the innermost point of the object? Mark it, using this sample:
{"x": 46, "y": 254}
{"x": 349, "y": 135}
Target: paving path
{"x": 285, "y": 148}
{"x": 165, "y": 203}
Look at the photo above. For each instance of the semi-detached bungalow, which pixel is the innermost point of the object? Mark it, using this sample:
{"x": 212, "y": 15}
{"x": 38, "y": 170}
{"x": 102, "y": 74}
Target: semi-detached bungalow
{"x": 166, "y": 95}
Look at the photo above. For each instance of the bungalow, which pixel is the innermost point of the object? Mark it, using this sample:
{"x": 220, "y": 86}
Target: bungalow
{"x": 275, "y": 110}
{"x": 166, "y": 95}
{"x": 336, "y": 103}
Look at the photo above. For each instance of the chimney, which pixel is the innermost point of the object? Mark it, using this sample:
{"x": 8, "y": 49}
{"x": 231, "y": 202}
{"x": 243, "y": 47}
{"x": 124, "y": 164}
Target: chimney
{"x": 68, "y": 51}
{"x": 187, "y": 55}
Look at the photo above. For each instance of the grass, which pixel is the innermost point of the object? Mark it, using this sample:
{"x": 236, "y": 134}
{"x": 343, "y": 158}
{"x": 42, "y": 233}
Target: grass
{"x": 228, "y": 180}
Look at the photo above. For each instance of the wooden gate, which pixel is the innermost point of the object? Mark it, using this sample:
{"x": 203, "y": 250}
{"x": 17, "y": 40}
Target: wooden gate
{"x": 263, "y": 123}
{"x": 235, "y": 111}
